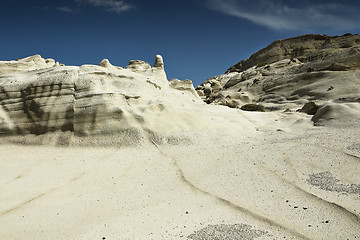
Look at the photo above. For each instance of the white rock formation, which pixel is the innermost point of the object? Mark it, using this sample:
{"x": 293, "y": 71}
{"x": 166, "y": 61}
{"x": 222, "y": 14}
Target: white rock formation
{"x": 326, "y": 74}
{"x": 185, "y": 86}
{"x": 35, "y": 62}
{"x": 106, "y": 63}
{"x": 38, "y": 97}
{"x": 159, "y": 62}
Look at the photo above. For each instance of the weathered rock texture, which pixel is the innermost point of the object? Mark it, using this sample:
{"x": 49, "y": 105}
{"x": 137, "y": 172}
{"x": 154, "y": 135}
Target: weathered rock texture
{"x": 289, "y": 73}
{"x": 307, "y": 48}
{"x": 39, "y": 96}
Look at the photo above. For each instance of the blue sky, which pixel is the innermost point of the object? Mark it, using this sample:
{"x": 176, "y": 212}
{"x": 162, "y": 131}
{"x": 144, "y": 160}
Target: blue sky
{"x": 198, "y": 39}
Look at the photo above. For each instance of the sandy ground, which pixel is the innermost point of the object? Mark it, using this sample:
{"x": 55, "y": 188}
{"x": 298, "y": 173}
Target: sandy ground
{"x": 277, "y": 178}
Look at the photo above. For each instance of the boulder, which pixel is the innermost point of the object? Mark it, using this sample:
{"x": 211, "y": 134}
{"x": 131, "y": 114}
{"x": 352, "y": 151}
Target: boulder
{"x": 310, "y": 108}
{"x": 253, "y": 107}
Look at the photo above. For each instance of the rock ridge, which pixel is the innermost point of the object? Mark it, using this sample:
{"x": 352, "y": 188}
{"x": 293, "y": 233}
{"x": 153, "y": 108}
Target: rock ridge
{"x": 38, "y": 96}
{"x": 306, "y": 48}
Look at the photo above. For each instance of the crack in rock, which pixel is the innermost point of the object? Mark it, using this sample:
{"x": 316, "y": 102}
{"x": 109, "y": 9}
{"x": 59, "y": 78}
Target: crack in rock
{"x": 225, "y": 201}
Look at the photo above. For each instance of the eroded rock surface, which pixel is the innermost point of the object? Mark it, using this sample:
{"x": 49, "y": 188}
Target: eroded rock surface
{"x": 290, "y": 73}
{"x": 198, "y": 171}
{"x": 39, "y": 96}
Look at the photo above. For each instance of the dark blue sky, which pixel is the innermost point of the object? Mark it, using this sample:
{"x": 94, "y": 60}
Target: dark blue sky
{"x": 198, "y": 39}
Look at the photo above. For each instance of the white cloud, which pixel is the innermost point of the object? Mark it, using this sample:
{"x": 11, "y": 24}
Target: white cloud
{"x": 117, "y": 6}
{"x": 64, "y": 9}
{"x": 278, "y": 15}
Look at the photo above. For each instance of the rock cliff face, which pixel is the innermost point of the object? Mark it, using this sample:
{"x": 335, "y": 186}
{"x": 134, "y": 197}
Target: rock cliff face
{"x": 38, "y": 96}
{"x": 289, "y": 73}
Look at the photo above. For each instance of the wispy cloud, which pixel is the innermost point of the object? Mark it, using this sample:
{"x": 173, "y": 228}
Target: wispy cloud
{"x": 64, "y": 9}
{"x": 278, "y": 15}
{"x": 117, "y": 6}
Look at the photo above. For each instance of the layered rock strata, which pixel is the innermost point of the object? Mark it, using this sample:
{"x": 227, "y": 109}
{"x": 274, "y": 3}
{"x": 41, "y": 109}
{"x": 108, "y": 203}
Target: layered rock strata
{"x": 38, "y": 96}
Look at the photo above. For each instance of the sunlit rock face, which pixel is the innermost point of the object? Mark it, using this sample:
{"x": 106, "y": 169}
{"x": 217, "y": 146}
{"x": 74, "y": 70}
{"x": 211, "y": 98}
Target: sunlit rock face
{"x": 289, "y": 73}
{"x": 306, "y": 48}
{"x": 39, "y": 96}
